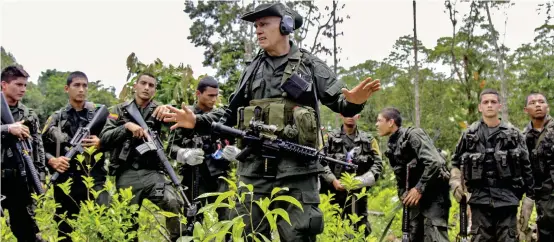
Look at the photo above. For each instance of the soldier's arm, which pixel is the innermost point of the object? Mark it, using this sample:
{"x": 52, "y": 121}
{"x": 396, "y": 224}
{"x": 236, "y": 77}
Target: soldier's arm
{"x": 428, "y": 155}
{"x": 204, "y": 121}
{"x": 525, "y": 165}
{"x": 329, "y": 91}
{"x": 38, "y": 147}
{"x": 114, "y": 132}
{"x": 460, "y": 150}
{"x": 328, "y": 175}
{"x": 377, "y": 166}
{"x": 50, "y": 135}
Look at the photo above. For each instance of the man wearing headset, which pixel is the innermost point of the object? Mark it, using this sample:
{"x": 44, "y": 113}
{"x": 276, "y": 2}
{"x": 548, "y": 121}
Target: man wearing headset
{"x": 286, "y": 83}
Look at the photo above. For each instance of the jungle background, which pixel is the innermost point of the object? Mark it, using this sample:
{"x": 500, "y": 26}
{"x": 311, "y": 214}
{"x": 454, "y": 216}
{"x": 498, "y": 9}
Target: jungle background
{"x": 435, "y": 87}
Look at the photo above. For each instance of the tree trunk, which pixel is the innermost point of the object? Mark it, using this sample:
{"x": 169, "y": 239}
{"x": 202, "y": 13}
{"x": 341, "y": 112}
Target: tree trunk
{"x": 503, "y": 88}
{"x": 334, "y": 13}
{"x": 416, "y": 74}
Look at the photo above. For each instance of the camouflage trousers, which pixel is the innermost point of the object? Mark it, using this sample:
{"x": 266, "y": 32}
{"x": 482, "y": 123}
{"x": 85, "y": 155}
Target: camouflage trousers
{"x": 429, "y": 222}
{"x": 153, "y": 185}
{"x": 545, "y": 219}
{"x": 306, "y": 225}
{"x": 20, "y": 207}
{"x": 493, "y": 224}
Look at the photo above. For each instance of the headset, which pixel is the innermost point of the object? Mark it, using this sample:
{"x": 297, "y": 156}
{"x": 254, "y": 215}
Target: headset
{"x": 287, "y": 24}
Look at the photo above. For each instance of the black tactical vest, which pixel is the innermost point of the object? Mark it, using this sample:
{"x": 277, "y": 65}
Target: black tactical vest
{"x": 492, "y": 161}
{"x": 338, "y": 150}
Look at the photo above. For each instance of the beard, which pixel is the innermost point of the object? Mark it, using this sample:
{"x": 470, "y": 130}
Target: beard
{"x": 350, "y": 125}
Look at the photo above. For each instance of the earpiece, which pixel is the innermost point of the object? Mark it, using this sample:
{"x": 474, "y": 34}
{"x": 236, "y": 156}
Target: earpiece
{"x": 287, "y": 25}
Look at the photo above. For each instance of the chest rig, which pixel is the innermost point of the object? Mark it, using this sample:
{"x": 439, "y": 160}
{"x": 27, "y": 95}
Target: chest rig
{"x": 294, "y": 116}
{"x": 542, "y": 155}
{"x": 128, "y": 148}
{"x": 69, "y": 128}
{"x": 23, "y": 113}
{"x": 492, "y": 159}
{"x": 339, "y": 149}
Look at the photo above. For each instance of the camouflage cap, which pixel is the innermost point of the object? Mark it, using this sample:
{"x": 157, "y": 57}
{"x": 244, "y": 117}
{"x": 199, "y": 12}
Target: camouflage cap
{"x": 273, "y": 9}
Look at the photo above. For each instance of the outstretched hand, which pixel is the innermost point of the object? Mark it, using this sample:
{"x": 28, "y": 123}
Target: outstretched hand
{"x": 360, "y": 93}
{"x": 184, "y": 118}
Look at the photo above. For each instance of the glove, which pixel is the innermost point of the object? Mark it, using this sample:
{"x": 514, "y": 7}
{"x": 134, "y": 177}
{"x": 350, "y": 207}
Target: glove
{"x": 190, "y": 157}
{"x": 366, "y": 180}
{"x": 456, "y": 184}
{"x": 230, "y": 153}
{"x": 525, "y": 214}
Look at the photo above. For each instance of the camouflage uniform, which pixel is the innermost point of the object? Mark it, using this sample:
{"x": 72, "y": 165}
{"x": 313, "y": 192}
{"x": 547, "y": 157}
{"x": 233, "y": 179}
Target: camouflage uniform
{"x": 201, "y": 178}
{"x": 17, "y": 190}
{"x": 496, "y": 172}
{"x": 429, "y": 219}
{"x": 57, "y": 133}
{"x": 263, "y": 77}
{"x": 541, "y": 153}
{"x": 368, "y": 160}
{"x": 145, "y": 174}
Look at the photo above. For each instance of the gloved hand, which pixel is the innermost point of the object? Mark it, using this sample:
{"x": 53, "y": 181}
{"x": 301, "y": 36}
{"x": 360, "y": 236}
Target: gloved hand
{"x": 525, "y": 214}
{"x": 366, "y": 180}
{"x": 190, "y": 157}
{"x": 456, "y": 184}
{"x": 230, "y": 153}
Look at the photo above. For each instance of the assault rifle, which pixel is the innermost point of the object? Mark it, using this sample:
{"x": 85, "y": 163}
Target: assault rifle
{"x": 153, "y": 143}
{"x": 406, "y": 209}
{"x": 93, "y": 127}
{"x": 462, "y": 236}
{"x": 22, "y": 150}
{"x": 260, "y": 137}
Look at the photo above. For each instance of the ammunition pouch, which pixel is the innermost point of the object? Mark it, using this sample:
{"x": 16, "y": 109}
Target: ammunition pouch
{"x": 474, "y": 164}
{"x": 294, "y": 122}
{"x": 123, "y": 154}
{"x": 295, "y": 86}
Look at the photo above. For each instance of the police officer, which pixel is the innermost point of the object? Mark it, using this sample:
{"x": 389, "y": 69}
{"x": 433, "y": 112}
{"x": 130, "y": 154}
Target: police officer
{"x": 352, "y": 145}
{"x": 428, "y": 198}
{"x": 496, "y": 172}
{"x": 18, "y": 200}
{"x": 57, "y": 133}
{"x": 200, "y": 154}
{"x": 539, "y": 136}
{"x": 144, "y": 173}
{"x": 284, "y": 81}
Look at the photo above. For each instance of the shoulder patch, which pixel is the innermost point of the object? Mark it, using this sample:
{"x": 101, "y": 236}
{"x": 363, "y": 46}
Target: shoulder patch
{"x": 47, "y": 124}
{"x": 375, "y": 146}
{"x": 113, "y": 116}
{"x": 415, "y": 143}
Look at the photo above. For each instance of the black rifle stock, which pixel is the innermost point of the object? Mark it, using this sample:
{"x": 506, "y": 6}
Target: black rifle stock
{"x": 463, "y": 209}
{"x": 406, "y": 208}
{"x": 93, "y": 127}
{"x": 271, "y": 145}
{"x": 22, "y": 151}
{"x": 153, "y": 143}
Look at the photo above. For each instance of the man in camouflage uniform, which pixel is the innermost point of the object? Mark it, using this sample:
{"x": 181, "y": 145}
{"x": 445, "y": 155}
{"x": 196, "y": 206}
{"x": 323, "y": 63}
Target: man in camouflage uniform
{"x": 539, "y": 136}
{"x": 284, "y": 81}
{"x": 352, "y": 145}
{"x": 57, "y": 133}
{"x": 201, "y": 164}
{"x": 145, "y": 174}
{"x": 17, "y": 190}
{"x": 496, "y": 172}
{"x": 428, "y": 198}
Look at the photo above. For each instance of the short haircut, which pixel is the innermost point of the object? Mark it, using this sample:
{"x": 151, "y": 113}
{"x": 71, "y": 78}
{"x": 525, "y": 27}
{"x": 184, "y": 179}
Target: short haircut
{"x": 392, "y": 113}
{"x": 75, "y": 74}
{"x": 535, "y": 93}
{"x": 147, "y": 74}
{"x": 489, "y": 91}
{"x": 13, "y": 72}
{"x": 205, "y": 82}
